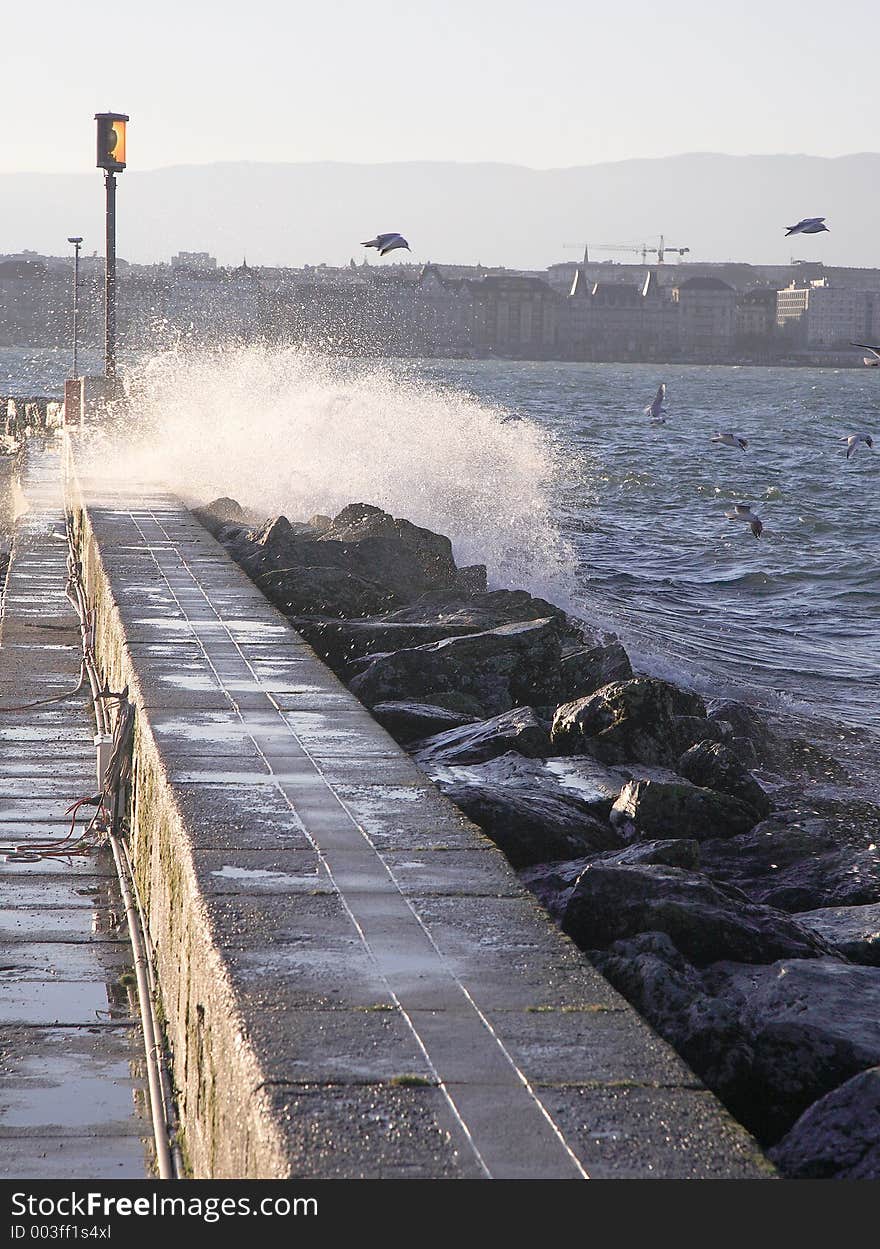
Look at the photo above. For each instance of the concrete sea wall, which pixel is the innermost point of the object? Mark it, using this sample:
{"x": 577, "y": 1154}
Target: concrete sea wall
{"x": 354, "y": 983}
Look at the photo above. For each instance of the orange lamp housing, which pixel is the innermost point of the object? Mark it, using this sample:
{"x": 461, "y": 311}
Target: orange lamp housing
{"x": 111, "y": 141}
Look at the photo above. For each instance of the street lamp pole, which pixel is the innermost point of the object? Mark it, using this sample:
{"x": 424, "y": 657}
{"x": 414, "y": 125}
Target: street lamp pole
{"x": 77, "y": 243}
{"x": 110, "y": 277}
{"x": 111, "y": 158}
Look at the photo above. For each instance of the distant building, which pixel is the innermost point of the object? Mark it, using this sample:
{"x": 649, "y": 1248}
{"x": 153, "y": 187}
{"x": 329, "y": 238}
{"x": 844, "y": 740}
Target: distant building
{"x": 515, "y": 316}
{"x": 198, "y": 262}
{"x": 837, "y": 315}
{"x": 444, "y": 309}
{"x": 791, "y": 307}
{"x": 707, "y": 317}
{"x": 755, "y": 319}
{"x": 618, "y": 320}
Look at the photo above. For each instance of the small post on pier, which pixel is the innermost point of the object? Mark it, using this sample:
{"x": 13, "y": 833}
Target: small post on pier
{"x": 111, "y": 158}
{"x": 77, "y": 243}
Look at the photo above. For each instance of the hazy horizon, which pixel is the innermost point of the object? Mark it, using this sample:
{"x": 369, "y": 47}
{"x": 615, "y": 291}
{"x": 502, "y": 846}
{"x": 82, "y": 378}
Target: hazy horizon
{"x": 720, "y": 207}
{"x": 504, "y": 164}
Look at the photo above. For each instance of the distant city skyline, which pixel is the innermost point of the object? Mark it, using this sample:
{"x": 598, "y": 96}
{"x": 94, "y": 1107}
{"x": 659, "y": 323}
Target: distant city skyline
{"x": 566, "y": 83}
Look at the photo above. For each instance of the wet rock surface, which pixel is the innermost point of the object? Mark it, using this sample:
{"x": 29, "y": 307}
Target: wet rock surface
{"x": 499, "y": 669}
{"x": 838, "y": 1137}
{"x": 585, "y": 669}
{"x": 630, "y": 720}
{"x": 650, "y": 808}
{"x": 713, "y": 765}
{"x": 797, "y": 862}
{"x": 694, "y": 851}
{"x": 526, "y": 810}
{"x": 810, "y": 1026}
{"x": 705, "y": 921}
{"x": 852, "y": 930}
{"x": 519, "y": 730}
{"x": 554, "y": 883}
{"x": 410, "y": 722}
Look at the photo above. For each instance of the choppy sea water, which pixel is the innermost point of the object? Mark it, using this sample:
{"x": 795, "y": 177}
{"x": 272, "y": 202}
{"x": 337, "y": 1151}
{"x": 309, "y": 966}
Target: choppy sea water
{"x": 791, "y": 619}
{"x": 579, "y": 499}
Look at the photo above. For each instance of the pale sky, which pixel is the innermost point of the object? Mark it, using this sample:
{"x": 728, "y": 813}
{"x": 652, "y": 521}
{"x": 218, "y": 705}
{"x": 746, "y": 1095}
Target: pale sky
{"x": 549, "y": 83}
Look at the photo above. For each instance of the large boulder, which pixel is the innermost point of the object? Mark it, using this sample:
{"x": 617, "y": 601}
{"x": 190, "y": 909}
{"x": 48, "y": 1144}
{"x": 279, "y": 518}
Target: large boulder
{"x": 500, "y": 668}
{"x": 811, "y": 1024}
{"x": 478, "y": 612}
{"x": 796, "y": 862}
{"x": 517, "y": 730}
{"x": 648, "y": 809}
{"x": 394, "y": 549}
{"x": 347, "y": 645}
{"x": 220, "y": 512}
{"x": 399, "y": 559}
{"x": 585, "y": 669}
{"x": 746, "y": 732}
{"x": 838, "y": 1137}
{"x": 672, "y": 996}
{"x": 322, "y": 590}
{"x": 553, "y": 883}
{"x": 409, "y": 722}
{"x": 706, "y": 921}
{"x": 713, "y": 765}
{"x": 852, "y": 930}
{"x": 628, "y": 720}
{"x": 527, "y": 810}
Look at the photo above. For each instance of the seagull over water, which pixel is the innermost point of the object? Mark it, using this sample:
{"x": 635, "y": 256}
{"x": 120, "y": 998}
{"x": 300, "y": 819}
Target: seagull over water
{"x": 742, "y": 511}
{"x": 853, "y": 440}
{"x": 875, "y": 352}
{"x": 808, "y": 225}
{"x": 656, "y": 409}
{"x": 387, "y": 243}
{"x": 731, "y": 440}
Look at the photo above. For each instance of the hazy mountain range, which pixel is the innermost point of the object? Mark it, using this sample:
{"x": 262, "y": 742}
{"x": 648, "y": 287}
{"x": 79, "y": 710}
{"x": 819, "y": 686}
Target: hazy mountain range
{"x": 721, "y": 207}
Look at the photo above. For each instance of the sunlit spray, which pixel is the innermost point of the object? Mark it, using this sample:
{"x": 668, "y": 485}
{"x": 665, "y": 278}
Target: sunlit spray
{"x": 287, "y": 430}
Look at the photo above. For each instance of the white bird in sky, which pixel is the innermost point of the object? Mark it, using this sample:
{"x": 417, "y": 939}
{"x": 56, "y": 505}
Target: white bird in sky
{"x": 656, "y": 409}
{"x": 875, "y": 352}
{"x": 808, "y": 225}
{"x": 852, "y": 443}
{"x": 387, "y": 243}
{"x": 730, "y": 440}
{"x": 742, "y": 511}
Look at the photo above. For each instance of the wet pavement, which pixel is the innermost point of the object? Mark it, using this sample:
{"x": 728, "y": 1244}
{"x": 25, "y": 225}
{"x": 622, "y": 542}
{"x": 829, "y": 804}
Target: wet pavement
{"x": 71, "y": 1053}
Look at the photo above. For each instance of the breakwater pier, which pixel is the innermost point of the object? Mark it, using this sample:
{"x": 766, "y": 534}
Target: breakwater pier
{"x": 352, "y": 980}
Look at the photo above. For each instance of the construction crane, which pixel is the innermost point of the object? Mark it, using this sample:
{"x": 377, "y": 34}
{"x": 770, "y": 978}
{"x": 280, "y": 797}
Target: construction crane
{"x": 643, "y": 250}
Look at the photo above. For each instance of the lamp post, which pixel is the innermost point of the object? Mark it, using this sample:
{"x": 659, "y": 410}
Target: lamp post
{"x": 77, "y": 243}
{"x": 111, "y": 158}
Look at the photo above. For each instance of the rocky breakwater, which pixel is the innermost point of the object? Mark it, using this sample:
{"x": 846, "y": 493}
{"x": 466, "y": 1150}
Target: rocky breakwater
{"x": 694, "y": 852}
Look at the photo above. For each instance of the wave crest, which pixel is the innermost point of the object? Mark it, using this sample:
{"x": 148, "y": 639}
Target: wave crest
{"x": 290, "y": 430}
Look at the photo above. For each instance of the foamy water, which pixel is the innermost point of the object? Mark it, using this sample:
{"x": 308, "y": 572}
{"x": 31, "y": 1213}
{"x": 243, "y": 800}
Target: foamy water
{"x": 285, "y": 430}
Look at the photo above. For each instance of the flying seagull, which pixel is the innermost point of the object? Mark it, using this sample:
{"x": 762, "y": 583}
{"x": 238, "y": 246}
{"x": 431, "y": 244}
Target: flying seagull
{"x": 875, "y": 352}
{"x": 742, "y": 511}
{"x": 387, "y": 243}
{"x": 656, "y": 409}
{"x": 809, "y": 225}
{"x": 852, "y": 443}
{"x": 731, "y": 440}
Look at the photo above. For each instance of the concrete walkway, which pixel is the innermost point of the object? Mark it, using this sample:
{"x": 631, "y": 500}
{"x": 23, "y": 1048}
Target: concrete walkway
{"x": 70, "y": 1051}
{"x": 356, "y": 984}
